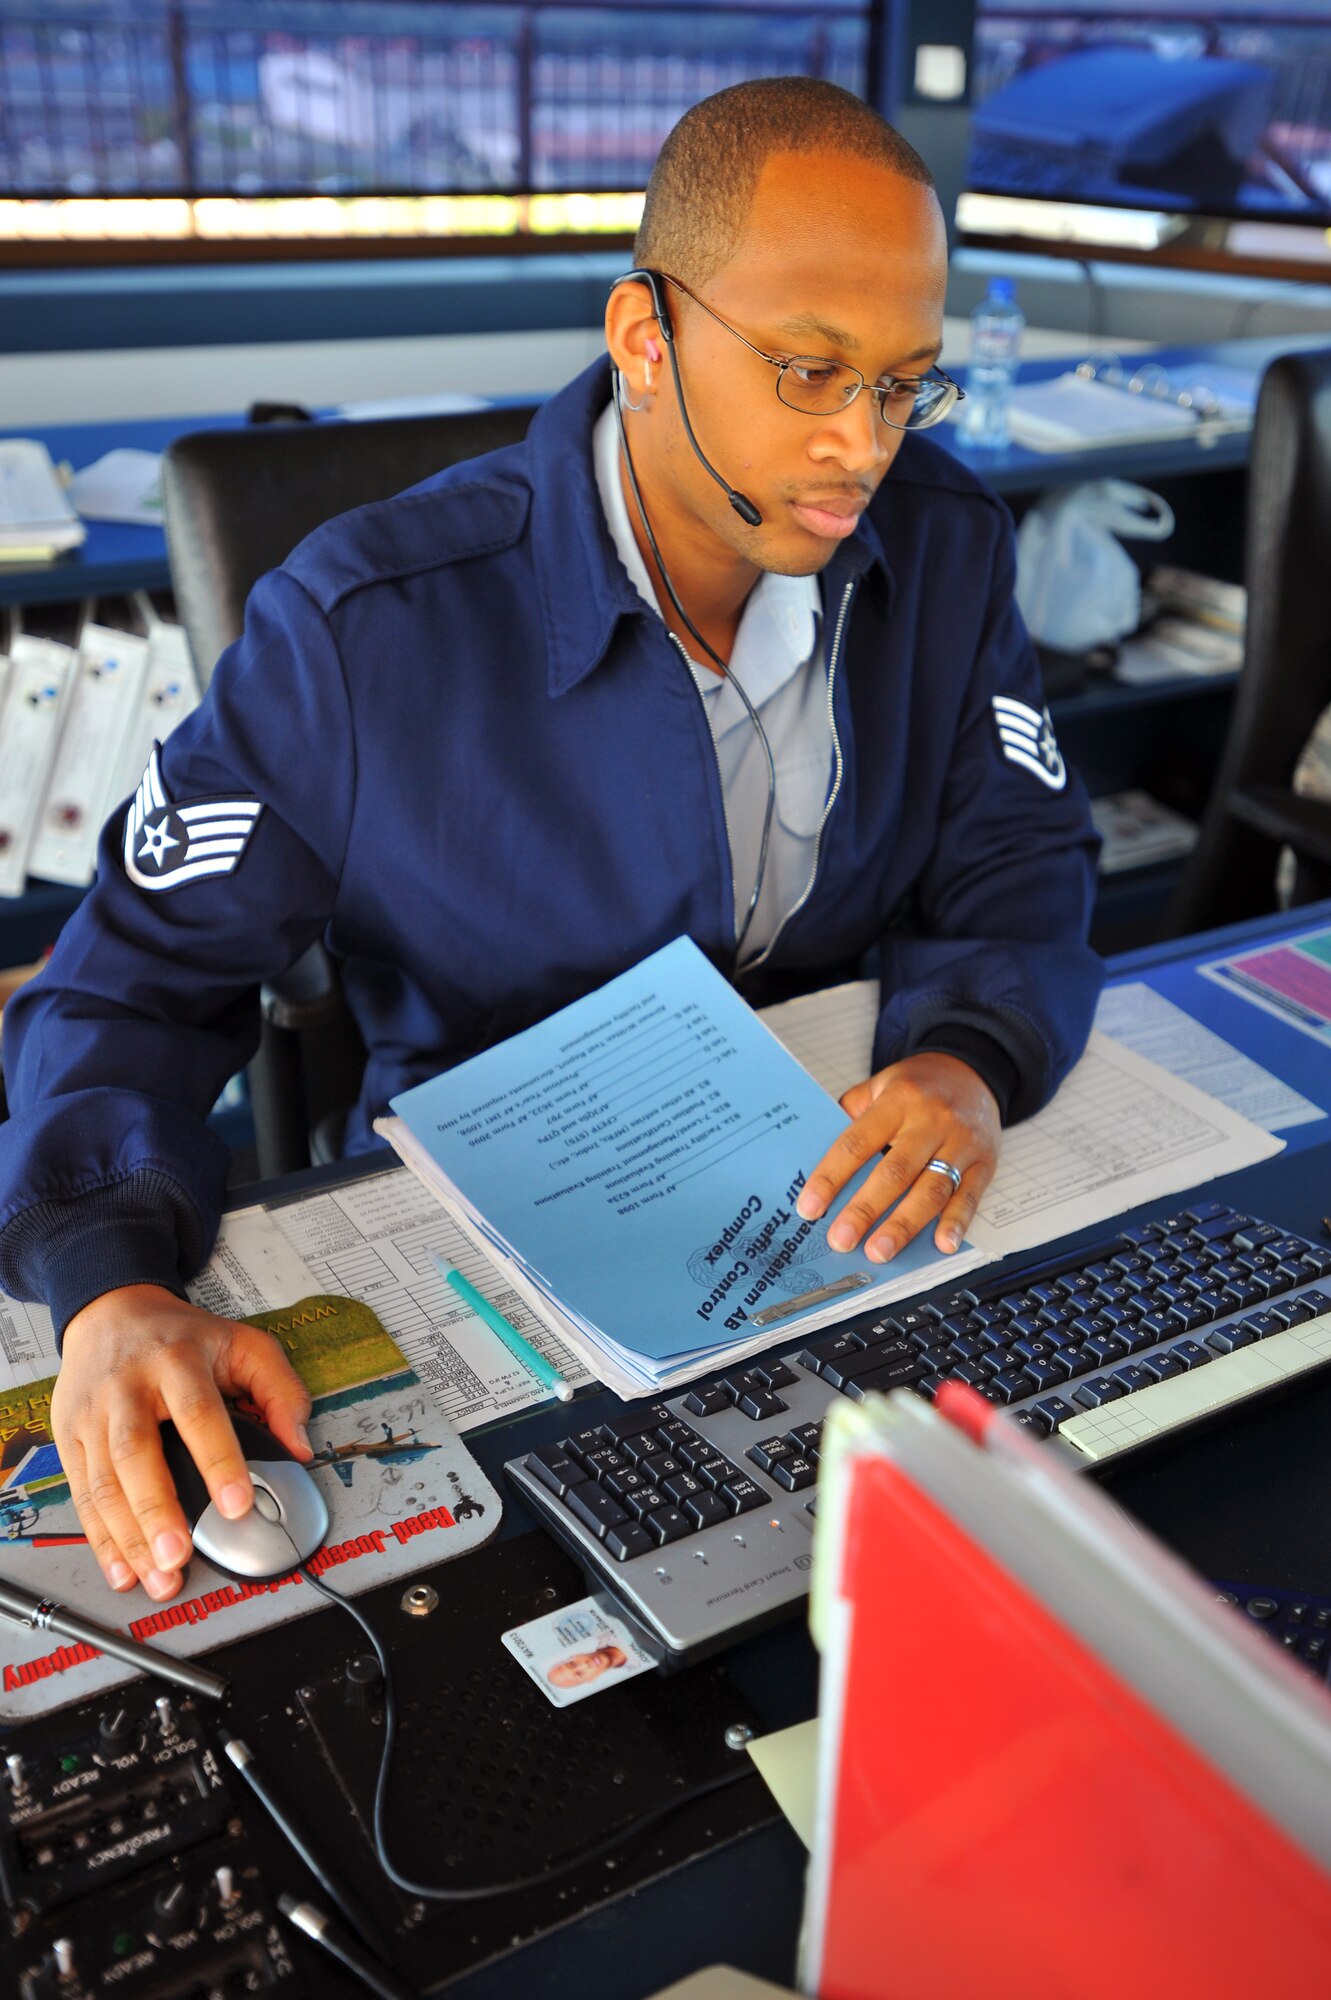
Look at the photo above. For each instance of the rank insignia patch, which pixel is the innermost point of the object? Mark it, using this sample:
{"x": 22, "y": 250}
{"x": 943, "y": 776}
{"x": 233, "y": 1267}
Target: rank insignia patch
{"x": 168, "y": 845}
{"x": 1027, "y": 737}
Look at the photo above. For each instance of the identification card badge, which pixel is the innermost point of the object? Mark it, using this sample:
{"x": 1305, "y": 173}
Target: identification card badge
{"x": 578, "y": 1651}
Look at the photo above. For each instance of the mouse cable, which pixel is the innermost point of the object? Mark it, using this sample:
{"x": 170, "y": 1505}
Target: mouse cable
{"x": 584, "y": 1857}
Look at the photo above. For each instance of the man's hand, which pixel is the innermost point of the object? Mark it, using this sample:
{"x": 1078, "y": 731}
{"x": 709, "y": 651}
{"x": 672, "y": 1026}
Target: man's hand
{"x": 927, "y": 1107}
{"x": 132, "y": 1358}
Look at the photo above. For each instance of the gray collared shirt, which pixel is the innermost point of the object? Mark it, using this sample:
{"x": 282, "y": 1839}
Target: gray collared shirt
{"x": 778, "y": 659}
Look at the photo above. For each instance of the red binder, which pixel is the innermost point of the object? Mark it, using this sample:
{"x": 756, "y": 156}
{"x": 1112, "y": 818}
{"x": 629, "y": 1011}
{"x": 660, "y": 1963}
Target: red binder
{"x": 1005, "y": 1814}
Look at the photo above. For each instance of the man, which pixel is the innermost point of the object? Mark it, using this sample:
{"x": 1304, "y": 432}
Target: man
{"x": 493, "y": 740}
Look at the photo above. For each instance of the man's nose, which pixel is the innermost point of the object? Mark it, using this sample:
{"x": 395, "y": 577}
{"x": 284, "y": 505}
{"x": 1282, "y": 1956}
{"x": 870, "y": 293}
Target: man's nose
{"x": 856, "y": 437}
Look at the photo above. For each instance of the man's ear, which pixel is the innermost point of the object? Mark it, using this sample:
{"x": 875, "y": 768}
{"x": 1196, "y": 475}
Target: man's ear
{"x": 633, "y": 331}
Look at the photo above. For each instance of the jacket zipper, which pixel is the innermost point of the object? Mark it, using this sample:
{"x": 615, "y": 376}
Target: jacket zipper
{"x": 796, "y": 907}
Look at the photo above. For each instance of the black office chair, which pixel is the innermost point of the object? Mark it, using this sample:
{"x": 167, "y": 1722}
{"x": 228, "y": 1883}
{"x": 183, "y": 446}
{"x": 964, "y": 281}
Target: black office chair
{"x": 235, "y": 504}
{"x": 1286, "y": 681}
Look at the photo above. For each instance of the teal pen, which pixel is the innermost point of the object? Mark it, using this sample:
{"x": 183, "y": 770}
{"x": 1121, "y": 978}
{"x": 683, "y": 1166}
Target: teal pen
{"x": 522, "y": 1350}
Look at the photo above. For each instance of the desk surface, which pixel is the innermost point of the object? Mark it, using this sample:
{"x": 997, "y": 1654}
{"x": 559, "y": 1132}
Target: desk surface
{"x": 117, "y": 558}
{"x": 742, "y": 1904}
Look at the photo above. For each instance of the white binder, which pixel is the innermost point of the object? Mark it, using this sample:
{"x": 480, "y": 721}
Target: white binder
{"x": 169, "y": 692}
{"x": 40, "y": 671}
{"x": 101, "y": 713}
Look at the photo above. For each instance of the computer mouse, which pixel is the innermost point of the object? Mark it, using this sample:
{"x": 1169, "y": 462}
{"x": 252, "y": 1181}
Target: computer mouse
{"x": 286, "y": 1524}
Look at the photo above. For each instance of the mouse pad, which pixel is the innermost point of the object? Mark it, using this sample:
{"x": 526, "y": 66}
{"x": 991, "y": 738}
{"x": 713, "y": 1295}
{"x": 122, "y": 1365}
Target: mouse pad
{"x": 403, "y": 1493}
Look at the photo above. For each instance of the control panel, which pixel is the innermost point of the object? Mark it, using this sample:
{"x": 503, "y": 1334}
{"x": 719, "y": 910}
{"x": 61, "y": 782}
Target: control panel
{"x": 124, "y": 1866}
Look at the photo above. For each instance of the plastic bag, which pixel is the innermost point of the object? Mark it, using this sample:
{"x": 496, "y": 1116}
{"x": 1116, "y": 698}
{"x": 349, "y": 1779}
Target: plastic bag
{"x": 1077, "y": 586}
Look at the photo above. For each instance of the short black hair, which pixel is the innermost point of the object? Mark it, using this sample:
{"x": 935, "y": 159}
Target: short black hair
{"x": 702, "y": 186}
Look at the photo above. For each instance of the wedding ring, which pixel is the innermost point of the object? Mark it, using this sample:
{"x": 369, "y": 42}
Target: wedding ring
{"x": 949, "y": 1172}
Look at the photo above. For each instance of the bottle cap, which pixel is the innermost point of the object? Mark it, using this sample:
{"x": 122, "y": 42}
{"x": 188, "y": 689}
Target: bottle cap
{"x": 1001, "y": 288}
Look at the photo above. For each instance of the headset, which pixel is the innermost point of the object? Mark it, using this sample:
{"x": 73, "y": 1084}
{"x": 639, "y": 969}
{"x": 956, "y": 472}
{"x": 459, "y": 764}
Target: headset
{"x": 748, "y": 513}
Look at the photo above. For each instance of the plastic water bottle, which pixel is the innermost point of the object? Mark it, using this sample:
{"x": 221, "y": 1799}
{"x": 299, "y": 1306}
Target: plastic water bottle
{"x": 996, "y": 325}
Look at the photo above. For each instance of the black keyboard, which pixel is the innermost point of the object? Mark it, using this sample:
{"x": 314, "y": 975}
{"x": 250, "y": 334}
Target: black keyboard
{"x": 697, "y": 1509}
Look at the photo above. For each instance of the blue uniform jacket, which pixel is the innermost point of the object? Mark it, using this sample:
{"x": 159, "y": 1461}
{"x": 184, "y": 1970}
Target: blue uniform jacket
{"x": 454, "y": 743}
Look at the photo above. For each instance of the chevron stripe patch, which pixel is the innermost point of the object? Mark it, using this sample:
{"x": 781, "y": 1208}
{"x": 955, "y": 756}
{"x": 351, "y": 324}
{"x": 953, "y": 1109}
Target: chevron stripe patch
{"x": 1027, "y": 738}
{"x": 167, "y": 846}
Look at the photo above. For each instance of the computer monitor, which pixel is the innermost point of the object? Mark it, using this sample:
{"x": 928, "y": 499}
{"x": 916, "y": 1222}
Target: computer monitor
{"x": 1223, "y": 110}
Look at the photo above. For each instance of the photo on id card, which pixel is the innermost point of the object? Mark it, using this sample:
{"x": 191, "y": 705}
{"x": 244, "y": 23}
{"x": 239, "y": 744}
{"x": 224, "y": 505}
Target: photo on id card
{"x": 577, "y": 1651}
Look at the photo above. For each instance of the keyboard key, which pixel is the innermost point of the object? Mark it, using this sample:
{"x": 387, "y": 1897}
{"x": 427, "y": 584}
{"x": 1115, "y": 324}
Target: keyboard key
{"x": 965, "y": 1349}
{"x": 819, "y": 1352}
{"x": 1213, "y": 1304}
{"x": 706, "y": 1400}
{"x": 684, "y": 1486}
{"x": 766, "y": 1454}
{"x": 740, "y": 1382}
{"x": 715, "y": 1471}
{"x": 914, "y": 1319}
{"x": 795, "y": 1474}
{"x": 1297, "y": 1311}
{"x": 676, "y": 1433}
{"x": 596, "y": 1510}
{"x": 1191, "y": 1353}
{"x": 806, "y": 1438}
{"x": 621, "y": 1484}
{"x": 1161, "y": 1366}
{"x": 969, "y": 1372}
{"x": 644, "y": 1502}
{"x": 1226, "y": 1338}
{"x": 668, "y": 1524}
{"x": 897, "y": 1375}
{"x": 928, "y": 1386}
{"x": 629, "y": 1541}
{"x": 604, "y": 1459}
{"x": 1218, "y": 1227}
{"x": 1157, "y": 1326}
{"x": 662, "y": 1468}
{"x": 1314, "y": 1650}
{"x": 1135, "y": 1340}
{"x": 631, "y": 1423}
{"x": 1104, "y": 1348}
{"x": 1023, "y": 1325}
{"x": 1316, "y": 1260}
{"x": 960, "y": 1326}
{"x": 743, "y": 1494}
{"x": 1132, "y": 1378}
{"x": 1261, "y": 1608}
{"x": 582, "y": 1442}
{"x": 645, "y": 1448}
{"x": 1207, "y": 1211}
{"x": 1013, "y": 1384}
{"x": 890, "y": 1329}
{"x": 1045, "y": 1374}
{"x": 555, "y": 1469}
{"x": 1055, "y": 1411}
{"x": 775, "y": 1374}
{"x": 1078, "y": 1362}
{"x": 1027, "y": 1420}
{"x": 1089, "y": 1325}
{"x": 1264, "y": 1324}
{"x": 995, "y": 1362}
{"x": 1100, "y": 1389}
{"x": 706, "y": 1509}
{"x": 865, "y": 1361}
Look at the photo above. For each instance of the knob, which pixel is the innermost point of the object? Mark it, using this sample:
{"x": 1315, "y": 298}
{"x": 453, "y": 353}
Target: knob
{"x": 173, "y": 1902}
{"x": 118, "y": 1730}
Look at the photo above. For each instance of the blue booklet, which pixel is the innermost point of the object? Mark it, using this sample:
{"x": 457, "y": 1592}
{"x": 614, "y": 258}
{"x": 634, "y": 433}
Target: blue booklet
{"x": 636, "y": 1159}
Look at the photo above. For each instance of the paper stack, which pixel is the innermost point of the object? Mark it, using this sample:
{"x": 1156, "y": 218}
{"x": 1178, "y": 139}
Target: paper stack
{"x": 632, "y": 1164}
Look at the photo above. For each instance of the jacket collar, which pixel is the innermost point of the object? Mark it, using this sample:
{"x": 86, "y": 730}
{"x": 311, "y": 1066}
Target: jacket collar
{"x": 584, "y": 589}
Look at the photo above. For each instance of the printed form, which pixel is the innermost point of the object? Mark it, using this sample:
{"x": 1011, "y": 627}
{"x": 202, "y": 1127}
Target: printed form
{"x": 370, "y": 1240}
{"x": 1121, "y": 1129}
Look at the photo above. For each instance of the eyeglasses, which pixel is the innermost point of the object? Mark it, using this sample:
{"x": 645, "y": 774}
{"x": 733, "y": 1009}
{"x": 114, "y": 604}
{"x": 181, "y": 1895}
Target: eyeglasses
{"x": 818, "y": 387}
